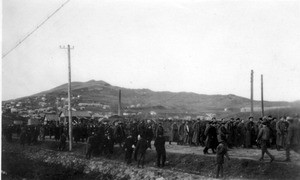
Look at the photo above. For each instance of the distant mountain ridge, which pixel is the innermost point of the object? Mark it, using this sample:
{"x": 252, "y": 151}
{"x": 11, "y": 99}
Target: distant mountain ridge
{"x": 102, "y": 92}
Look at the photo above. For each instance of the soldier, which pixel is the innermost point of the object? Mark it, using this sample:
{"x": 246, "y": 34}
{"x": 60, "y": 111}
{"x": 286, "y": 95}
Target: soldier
{"x": 249, "y": 132}
{"x": 76, "y": 133}
{"x": 160, "y": 150}
{"x": 62, "y": 142}
{"x": 91, "y": 146}
{"x": 108, "y": 139}
{"x": 273, "y": 134}
{"x": 222, "y": 132}
{"x": 181, "y": 133}
{"x": 293, "y": 139}
{"x": 186, "y": 133}
{"x": 119, "y": 133}
{"x": 141, "y": 148}
{"x": 264, "y": 137}
{"x": 159, "y": 130}
{"x": 196, "y": 133}
{"x": 149, "y": 133}
{"x": 174, "y": 133}
{"x": 42, "y": 133}
{"x": 280, "y": 132}
{"x": 134, "y": 131}
{"x": 221, "y": 152}
{"x": 23, "y": 136}
{"x": 128, "y": 148}
{"x": 211, "y": 138}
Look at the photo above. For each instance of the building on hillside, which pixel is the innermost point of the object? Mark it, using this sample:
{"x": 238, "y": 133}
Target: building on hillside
{"x": 97, "y": 116}
{"x": 14, "y": 110}
{"x": 51, "y": 118}
{"x": 77, "y": 116}
{"x": 248, "y": 109}
{"x": 153, "y": 113}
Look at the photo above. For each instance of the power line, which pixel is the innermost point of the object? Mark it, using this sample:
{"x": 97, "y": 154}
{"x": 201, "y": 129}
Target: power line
{"x": 22, "y": 40}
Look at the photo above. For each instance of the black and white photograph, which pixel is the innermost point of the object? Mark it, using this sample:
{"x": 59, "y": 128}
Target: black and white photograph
{"x": 150, "y": 89}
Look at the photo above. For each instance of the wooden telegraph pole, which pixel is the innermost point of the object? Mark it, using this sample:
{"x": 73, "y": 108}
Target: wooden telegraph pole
{"x": 262, "y": 96}
{"x": 251, "y": 80}
{"x": 69, "y": 95}
{"x": 119, "y": 104}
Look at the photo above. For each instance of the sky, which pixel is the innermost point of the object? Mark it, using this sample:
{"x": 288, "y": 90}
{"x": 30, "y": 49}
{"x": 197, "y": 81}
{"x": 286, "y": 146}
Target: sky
{"x": 206, "y": 47}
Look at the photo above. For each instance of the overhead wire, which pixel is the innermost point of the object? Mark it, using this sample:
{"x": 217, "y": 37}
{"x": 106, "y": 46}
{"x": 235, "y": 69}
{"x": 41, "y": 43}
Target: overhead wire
{"x": 28, "y": 35}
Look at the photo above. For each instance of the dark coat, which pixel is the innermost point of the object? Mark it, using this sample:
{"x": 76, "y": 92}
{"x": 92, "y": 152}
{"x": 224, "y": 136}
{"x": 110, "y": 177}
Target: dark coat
{"x": 211, "y": 137}
{"x": 159, "y": 144}
{"x": 174, "y": 133}
{"x": 129, "y": 142}
{"x": 141, "y": 146}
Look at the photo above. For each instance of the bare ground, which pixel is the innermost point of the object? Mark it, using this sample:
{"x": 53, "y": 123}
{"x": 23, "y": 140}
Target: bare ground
{"x": 184, "y": 162}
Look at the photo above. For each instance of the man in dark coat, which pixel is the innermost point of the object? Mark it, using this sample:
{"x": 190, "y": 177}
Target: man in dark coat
{"x": 211, "y": 138}
{"x": 140, "y": 150}
{"x": 221, "y": 152}
{"x": 149, "y": 133}
{"x": 119, "y": 134}
{"x": 264, "y": 137}
{"x": 62, "y": 142}
{"x": 23, "y": 136}
{"x": 160, "y": 150}
{"x": 174, "y": 133}
{"x": 181, "y": 133}
{"x": 128, "y": 148}
{"x": 293, "y": 139}
{"x": 196, "y": 133}
{"x": 249, "y": 132}
{"x": 134, "y": 131}
{"x": 159, "y": 130}
{"x": 91, "y": 146}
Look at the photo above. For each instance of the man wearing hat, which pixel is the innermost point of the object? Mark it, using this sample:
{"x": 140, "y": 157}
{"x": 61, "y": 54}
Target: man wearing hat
{"x": 264, "y": 137}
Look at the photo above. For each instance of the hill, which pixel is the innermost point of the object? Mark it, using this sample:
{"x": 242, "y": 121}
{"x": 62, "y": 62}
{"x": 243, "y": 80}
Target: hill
{"x": 104, "y": 93}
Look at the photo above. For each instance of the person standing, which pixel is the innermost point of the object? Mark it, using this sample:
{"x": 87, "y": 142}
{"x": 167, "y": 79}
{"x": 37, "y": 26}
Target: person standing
{"x": 62, "y": 142}
{"x": 249, "y": 132}
{"x": 280, "y": 131}
{"x": 181, "y": 133}
{"x": 174, "y": 133}
{"x": 211, "y": 138}
{"x": 221, "y": 152}
{"x": 141, "y": 148}
{"x": 149, "y": 133}
{"x": 186, "y": 133}
{"x": 160, "y": 150}
{"x": 264, "y": 137}
{"x": 196, "y": 133}
{"x": 90, "y": 146}
{"x": 293, "y": 139}
{"x": 159, "y": 130}
{"x": 128, "y": 148}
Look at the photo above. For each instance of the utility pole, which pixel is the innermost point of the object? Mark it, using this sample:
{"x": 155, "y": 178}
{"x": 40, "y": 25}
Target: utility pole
{"x": 69, "y": 96}
{"x": 251, "y": 80}
{"x": 119, "y": 104}
{"x": 262, "y": 96}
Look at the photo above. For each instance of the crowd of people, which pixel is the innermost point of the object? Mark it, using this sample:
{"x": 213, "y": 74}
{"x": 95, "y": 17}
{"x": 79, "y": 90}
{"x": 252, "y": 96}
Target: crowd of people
{"x": 135, "y": 136}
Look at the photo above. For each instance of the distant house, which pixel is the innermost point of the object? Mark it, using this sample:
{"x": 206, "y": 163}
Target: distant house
{"x": 153, "y": 113}
{"x": 76, "y": 116}
{"x": 97, "y": 116}
{"x": 51, "y": 118}
{"x": 13, "y": 110}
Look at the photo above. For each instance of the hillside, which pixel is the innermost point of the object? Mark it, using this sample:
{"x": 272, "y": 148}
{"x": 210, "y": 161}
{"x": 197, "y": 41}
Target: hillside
{"x": 141, "y": 99}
